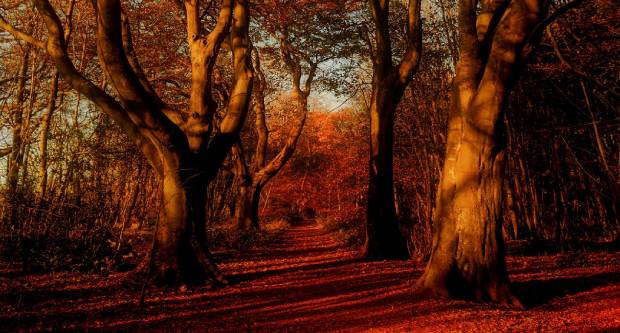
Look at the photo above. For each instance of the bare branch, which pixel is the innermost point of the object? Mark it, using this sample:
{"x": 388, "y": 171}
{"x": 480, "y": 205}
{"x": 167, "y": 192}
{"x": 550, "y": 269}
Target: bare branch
{"x": 19, "y": 34}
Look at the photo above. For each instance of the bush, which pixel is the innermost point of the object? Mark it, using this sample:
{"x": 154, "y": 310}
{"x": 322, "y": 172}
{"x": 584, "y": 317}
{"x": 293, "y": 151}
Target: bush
{"x": 347, "y": 232}
{"x": 227, "y": 236}
{"x": 62, "y": 237}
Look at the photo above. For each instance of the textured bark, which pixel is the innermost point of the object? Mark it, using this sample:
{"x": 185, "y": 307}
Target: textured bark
{"x": 383, "y": 237}
{"x": 467, "y": 259}
{"x": 204, "y": 50}
{"x": 246, "y": 208}
{"x": 244, "y": 218}
{"x": 181, "y": 251}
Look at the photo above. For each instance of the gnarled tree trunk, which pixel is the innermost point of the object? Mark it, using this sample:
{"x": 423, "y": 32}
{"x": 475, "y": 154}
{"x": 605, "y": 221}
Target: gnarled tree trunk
{"x": 467, "y": 259}
{"x": 181, "y": 250}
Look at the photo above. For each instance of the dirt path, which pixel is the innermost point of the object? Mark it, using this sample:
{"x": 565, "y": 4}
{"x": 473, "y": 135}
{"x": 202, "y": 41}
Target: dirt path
{"x": 306, "y": 283}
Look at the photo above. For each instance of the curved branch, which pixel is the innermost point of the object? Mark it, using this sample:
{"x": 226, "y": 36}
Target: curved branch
{"x": 241, "y": 92}
{"x": 56, "y": 48}
{"x": 132, "y": 58}
{"x": 411, "y": 59}
{"x": 141, "y": 106}
{"x": 5, "y": 151}
{"x": 21, "y": 35}
{"x": 279, "y": 161}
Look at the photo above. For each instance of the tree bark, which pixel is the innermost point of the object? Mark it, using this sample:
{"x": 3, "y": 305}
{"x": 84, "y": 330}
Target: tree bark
{"x": 383, "y": 237}
{"x": 467, "y": 259}
{"x": 181, "y": 253}
{"x": 246, "y": 208}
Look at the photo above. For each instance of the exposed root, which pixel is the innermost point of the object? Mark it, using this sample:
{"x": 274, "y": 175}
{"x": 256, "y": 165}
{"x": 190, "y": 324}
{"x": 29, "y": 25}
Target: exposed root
{"x": 194, "y": 267}
{"x": 505, "y": 296}
{"x": 206, "y": 262}
{"x": 499, "y": 293}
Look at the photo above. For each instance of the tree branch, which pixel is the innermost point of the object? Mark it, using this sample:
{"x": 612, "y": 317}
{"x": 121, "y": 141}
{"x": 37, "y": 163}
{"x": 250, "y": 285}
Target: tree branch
{"x": 56, "y": 48}
{"x": 411, "y": 59}
{"x": 21, "y": 35}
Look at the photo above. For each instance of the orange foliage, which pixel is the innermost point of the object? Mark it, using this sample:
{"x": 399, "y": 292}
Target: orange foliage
{"x": 328, "y": 172}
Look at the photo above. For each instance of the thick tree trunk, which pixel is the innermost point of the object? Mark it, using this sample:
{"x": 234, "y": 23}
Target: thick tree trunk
{"x": 181, "y": 254}
{"x": 383, "y": 237}
{"x": 182, "y": 152}
{"x": 467, "y": 259}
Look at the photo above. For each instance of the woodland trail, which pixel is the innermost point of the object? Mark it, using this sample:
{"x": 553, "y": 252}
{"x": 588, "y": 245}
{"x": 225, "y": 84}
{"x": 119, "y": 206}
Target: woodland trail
{"x": 305, "y": 282}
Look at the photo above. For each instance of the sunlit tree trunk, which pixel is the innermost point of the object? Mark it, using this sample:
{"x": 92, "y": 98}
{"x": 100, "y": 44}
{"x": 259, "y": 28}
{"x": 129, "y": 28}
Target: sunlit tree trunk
{"x": 46, "y": 121}
{"x": 181, "y": 244}
{"x": 467, "y": 259}
{"x": 383, "y": 237}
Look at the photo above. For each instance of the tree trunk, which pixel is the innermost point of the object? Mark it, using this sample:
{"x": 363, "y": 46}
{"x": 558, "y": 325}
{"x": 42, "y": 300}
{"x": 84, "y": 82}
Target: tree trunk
{"x": 383, "y": 237}
{"x": 467, "y": 259}
{"x": 180, "y": 252}
{"x": 45, "y": 127}
{"x": 183, "y": 152}
{"x": 246, "y": 208}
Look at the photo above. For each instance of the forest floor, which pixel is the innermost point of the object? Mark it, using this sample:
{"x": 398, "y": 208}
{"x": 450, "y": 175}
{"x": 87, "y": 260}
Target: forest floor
{"x": 305, "y": 282}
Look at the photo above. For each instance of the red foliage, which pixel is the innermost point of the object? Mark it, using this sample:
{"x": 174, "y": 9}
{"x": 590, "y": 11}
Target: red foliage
{"x": 328, "y": 172}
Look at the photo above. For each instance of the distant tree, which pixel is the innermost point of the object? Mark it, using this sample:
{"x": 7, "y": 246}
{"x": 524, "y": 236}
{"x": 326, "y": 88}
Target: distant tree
{"x": 306, "y": 36}
{"x": 18, "y": 131}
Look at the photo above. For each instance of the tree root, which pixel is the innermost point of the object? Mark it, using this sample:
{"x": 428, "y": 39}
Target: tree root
{"x": 499, "y": 293}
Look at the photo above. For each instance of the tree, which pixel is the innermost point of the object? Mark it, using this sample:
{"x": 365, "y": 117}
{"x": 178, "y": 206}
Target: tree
{"x": 18, "y": 132}
{"x": 307, "y": 36}
{"x": 252, "y": 181}
{"x": 467, "y": 259}
{"x": 184, "y": 148}
{"x": 383, "y": 237}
